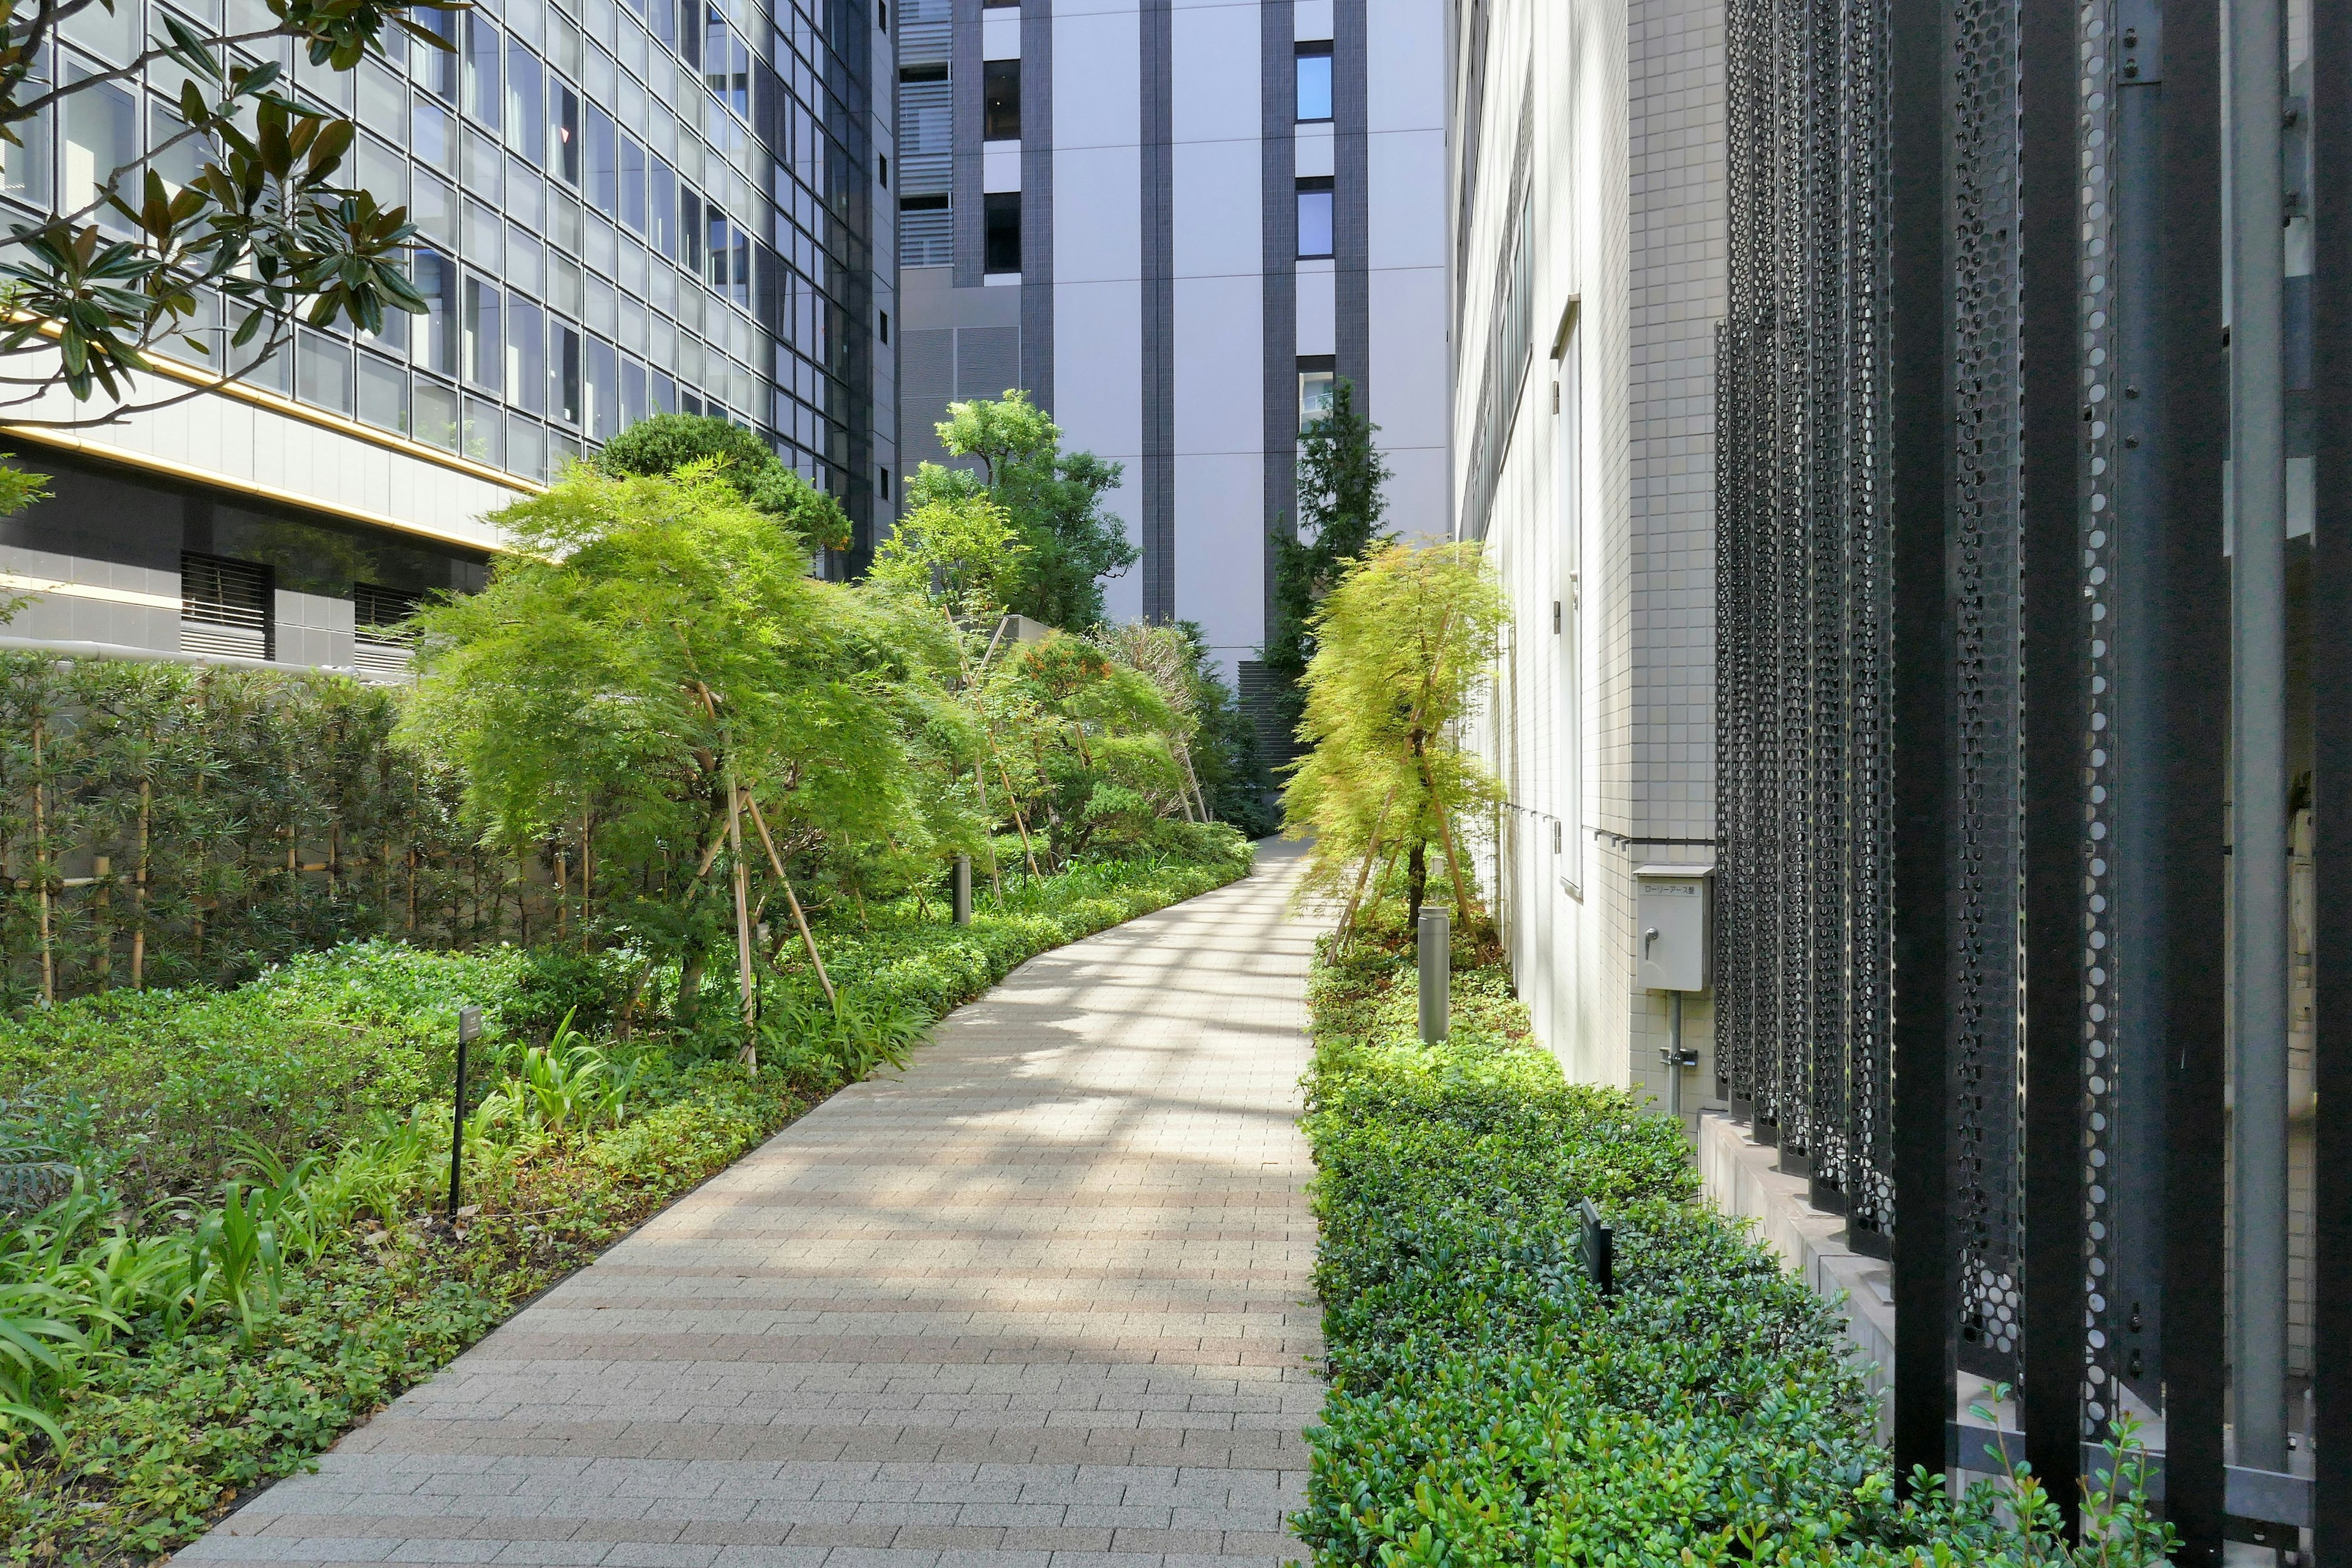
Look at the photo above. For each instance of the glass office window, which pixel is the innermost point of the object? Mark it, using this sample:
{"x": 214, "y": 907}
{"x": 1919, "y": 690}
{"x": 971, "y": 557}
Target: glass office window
{"x": 383, "y": 394}
{"x": 324, "y": 371}
{"x": 1314, "y": 219}
{"x": 563, "y": 372}
{"x": 482, "y": 436}
{"x": 633, "y": 183}
{"x": 526, "y": 114}
{"x": 101, "y": 136}
{"x": 603, "y": 412}
{"x": 662, "y": 202}
{"x": 1315, "y": 81}
{"x": 1314, "y": 379}
{"x": 437, "y": 332}
{"x": 436, "y": 413}
{"x": 483, "y": 335}
{"x": 603, "y": 160}
{"x": 526, "y": 356}
{"x": 633, "y": 392}
{"x": 485, "y": 98}
{"x": 432, "y": 139}
{"x": 564, "y": 123}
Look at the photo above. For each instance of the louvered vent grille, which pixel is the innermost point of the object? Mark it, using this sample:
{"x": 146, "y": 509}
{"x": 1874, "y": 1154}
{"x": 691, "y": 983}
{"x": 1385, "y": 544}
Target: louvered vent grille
{"x": 225, "y": 606}
{"x": 381, "y": 645}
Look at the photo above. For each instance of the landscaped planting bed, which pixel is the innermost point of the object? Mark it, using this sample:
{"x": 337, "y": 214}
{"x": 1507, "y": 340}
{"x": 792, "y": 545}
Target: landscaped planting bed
{"x": 247, "y": 1256}
{"x": 1489, "y": 1405}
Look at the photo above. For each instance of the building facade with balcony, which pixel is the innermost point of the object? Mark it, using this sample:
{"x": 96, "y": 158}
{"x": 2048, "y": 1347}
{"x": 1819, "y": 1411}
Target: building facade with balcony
{"x": 625, "y": 207}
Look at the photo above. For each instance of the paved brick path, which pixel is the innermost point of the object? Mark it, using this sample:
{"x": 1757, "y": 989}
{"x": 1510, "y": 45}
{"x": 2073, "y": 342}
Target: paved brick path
{"x": 1041, "y": 1302}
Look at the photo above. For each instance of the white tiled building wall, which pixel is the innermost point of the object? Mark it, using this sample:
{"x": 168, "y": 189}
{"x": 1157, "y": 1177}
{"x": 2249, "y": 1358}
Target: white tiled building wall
{"x": 1606, "y": 507}
{"x": 1677, "y": 185}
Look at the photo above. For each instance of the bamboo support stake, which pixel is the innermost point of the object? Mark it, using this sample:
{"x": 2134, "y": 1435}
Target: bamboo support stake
{"x": 743, "y": 881}
{"x": 103, "y": 865}
{"x": 1364, "y": 872}
{"x": 1013, "y": 799}
{"x": 41, "y": 870}
{"x": 139, "y": 889}
{"x": 759, "y": 821}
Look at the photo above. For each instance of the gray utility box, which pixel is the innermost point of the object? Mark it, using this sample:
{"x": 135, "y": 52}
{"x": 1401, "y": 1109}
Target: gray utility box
{"x": 1672, "y": 934}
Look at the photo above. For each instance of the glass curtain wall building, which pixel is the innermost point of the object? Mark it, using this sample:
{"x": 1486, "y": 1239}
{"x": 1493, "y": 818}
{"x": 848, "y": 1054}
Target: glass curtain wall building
{"x": 626, "y": 207}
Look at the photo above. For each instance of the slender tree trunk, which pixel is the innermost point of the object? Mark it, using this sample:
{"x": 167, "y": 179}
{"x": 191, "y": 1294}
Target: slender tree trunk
{"x": 1416, "y": 877}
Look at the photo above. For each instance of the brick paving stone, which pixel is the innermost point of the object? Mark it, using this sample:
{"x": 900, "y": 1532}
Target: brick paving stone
{"x": 1043, "y": 1300}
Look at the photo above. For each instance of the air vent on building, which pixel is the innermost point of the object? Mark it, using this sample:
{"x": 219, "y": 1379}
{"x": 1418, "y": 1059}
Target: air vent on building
{"x": 380, "y": 645}
{"x": 225, "y": 606}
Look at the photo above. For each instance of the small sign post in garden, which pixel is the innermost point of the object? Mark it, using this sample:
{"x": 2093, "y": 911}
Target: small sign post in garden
{"x": 469, "y": 1027}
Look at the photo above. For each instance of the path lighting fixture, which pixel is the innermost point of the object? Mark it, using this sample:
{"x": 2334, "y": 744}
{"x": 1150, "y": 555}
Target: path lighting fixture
{"x": 1436, "y": 974}
{"x": 1598, "y": 1244}
{"x": 469, "y": 1028}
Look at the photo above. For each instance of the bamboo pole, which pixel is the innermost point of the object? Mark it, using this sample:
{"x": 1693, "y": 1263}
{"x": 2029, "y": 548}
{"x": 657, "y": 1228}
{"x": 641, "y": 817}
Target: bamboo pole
{"x": 1364, "y": 872}
{"x": 139, "y": 887}
{"x": 759, "y": 821}
{"x": 41, "y": 868}
{"x": 743, "y": 881}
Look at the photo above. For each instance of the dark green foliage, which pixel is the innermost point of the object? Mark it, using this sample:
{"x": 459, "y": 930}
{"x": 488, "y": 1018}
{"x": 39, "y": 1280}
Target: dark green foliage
{"x": 276, "y": 819}
{"x": 1233, "y": 776}
{"x": 1490, "y": 1406}
{"x": 1070, "y": 542}
{"x": 165, "y": 1421}
{"x": 1340, "y": 508}
{"x": 668, "y": 442}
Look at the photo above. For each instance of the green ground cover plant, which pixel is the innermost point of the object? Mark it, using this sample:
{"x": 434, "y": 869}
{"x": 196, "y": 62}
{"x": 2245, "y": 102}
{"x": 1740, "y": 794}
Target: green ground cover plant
{"x": 1489, "y": 1405}
{"x": 220, "y": 1237}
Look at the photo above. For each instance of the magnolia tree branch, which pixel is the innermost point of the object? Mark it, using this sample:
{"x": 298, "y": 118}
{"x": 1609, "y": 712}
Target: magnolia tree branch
{"x": 263, "y": 225}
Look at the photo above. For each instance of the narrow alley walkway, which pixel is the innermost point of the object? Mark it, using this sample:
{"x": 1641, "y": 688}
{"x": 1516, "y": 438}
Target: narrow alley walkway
{"x": 1043, "y": 1301}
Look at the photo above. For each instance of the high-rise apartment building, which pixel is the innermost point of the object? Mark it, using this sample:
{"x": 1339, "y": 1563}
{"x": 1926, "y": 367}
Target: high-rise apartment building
{"x": 1174, "y": 225}
{"x": 626, "y": 206}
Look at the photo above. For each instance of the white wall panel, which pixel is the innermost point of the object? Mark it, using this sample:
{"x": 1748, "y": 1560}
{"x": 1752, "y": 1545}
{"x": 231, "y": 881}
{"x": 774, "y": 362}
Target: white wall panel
{"x": 1098, "y": 371}
{"x": 1221, "y": 549}
{"x": 1318, "y": 313}
{"x": 1417, "y": 491}
{"x": 1410, "y": 385}
{"x": 1406, "y": 170}
{"x": 1098, "y": 215}
{"x": 1405, "y": 66}
{"x": 1098, "y": 64}
{"x": 1214, "y": 70}
{"x": 1219, "y": 209}
{"x": 1219, "y": 398}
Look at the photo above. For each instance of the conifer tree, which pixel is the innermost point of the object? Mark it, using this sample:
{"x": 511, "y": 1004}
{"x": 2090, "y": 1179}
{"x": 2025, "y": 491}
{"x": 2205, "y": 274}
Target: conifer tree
{"x": 1340, "y": 509}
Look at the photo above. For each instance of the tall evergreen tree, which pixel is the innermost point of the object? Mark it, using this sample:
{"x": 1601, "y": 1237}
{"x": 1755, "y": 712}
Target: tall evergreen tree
{"x": 1340, "y": 508}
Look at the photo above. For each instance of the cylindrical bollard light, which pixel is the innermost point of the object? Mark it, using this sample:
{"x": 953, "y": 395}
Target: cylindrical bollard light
{"x": 964, "y": 890}
{"x": 1437, "y": 974}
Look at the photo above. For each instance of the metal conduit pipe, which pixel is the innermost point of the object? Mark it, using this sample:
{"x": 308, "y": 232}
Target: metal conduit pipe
{"x": 2258, "y": 780}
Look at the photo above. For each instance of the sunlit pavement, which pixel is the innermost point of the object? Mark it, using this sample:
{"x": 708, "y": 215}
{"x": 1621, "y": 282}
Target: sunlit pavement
{"x": 1040, "y": 1302}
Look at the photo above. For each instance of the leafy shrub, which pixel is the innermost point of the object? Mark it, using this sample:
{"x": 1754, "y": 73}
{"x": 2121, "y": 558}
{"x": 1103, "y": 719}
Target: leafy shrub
{"x": 1489, "y": 1405}
{"x": 242, "y": 816}
{"x": 283, "y": 1272}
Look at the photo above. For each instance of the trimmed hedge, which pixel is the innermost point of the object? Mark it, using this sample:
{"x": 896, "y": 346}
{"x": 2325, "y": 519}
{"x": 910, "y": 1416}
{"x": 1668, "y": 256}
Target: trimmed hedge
{"x": 1488, "y": 1406}
{"x": 165, "y": 1428}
